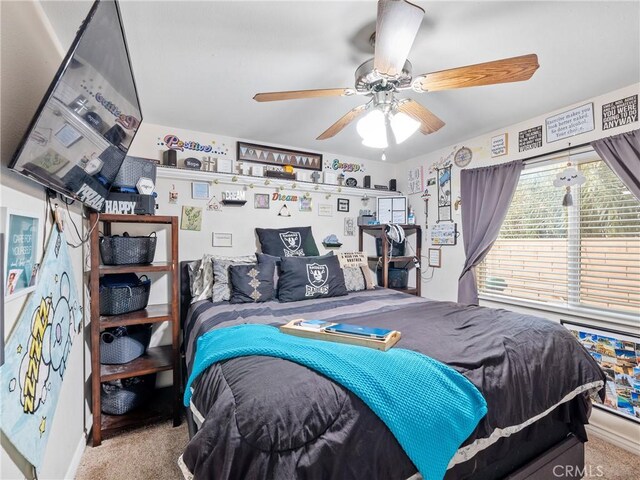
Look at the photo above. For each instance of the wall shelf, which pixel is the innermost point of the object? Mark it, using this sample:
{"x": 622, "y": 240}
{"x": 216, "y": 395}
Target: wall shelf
{"x": 387, "y": 261}
{"x": 174, "y": 173}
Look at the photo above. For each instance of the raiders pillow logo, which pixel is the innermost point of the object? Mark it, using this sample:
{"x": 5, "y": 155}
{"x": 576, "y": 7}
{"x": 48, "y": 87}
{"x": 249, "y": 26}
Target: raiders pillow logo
{"x": 292, "y": 242}
{"x": 317, "y": 276}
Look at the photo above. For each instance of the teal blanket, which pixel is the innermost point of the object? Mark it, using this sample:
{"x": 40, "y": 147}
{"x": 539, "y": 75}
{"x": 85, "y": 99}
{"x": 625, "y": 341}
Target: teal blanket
{"x": 429, "y": 407}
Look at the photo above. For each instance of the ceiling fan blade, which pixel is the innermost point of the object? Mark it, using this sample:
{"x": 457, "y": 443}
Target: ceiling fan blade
{"x": 343, "y": 122}
{"x": 296, "y": 94}
{"x": 515, "y": 69}
{"x": 397, "y": 24}
{"x": 429, "y": 123}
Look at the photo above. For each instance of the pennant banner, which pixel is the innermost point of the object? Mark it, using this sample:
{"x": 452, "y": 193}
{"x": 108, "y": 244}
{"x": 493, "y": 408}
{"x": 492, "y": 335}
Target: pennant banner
{"x": 37, "y": 351}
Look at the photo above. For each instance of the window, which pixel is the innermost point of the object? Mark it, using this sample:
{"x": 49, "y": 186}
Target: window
{"x": 586, "y": 255}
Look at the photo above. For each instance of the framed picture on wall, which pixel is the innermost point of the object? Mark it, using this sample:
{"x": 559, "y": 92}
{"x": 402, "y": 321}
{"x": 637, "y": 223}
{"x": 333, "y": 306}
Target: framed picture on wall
{"x": 200, "y": 190}
{"x": 22, "y": 252}
{"x": 618, "y": 355}
{"x": 435, "y": 259}
{"x": 343, "y": 205}
{"x": 325, "y": 210}
{"x": 261, "y": 200}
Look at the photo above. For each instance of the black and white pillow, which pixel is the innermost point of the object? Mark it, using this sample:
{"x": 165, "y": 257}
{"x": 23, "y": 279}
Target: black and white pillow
{"x": 302, "y": 278}
{"x": 287, "y": 242}
{"x": 221, "y": 289}
{"x": 251, "y": 283}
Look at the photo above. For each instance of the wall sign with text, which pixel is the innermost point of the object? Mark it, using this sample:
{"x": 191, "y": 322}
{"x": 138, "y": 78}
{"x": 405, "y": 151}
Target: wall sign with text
{"x": 499, "y": 145}
{"x": 572, "y": 122}
{"x": 621, "y": 112}
{"x": 530, "y": 138}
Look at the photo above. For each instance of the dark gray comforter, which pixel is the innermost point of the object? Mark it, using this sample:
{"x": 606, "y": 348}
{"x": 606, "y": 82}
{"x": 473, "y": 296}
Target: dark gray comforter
{"x": 267, "y": 418}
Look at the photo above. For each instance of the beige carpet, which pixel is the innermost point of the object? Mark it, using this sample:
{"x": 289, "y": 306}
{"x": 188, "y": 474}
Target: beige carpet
{"x": 152, "y": 453}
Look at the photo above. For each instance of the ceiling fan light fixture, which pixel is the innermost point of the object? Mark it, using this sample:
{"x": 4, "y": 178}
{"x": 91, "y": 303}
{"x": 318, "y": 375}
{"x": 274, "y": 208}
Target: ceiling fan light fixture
{"x": 373, "y": 129}
{"x": 403, "y": 126}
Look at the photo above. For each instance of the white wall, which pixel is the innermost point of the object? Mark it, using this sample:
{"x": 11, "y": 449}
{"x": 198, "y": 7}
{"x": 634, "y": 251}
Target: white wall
{"x": 442, "y": 283}
{"x": 30, "y": 57}
{"x": 241, "y": 221}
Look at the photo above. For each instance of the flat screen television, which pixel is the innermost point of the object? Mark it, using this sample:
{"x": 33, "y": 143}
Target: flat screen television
{"x": 82, "y": 130}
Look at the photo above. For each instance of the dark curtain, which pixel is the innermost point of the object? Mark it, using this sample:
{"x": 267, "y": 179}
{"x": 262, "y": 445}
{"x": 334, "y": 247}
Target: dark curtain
{"x": 622, "y": 154}
{"x": 485, "y": 195}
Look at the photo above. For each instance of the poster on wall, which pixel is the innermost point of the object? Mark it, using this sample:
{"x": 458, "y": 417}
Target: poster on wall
{"x": 572, "y": 122}
{"x": 621, "y": 112}
{"x": 21, "y": 253}
{"x": 37, "y": 352}
{"x": 618, "y": 355}
{"x": 415, "y": 180}
{"x": 530, "y": 138}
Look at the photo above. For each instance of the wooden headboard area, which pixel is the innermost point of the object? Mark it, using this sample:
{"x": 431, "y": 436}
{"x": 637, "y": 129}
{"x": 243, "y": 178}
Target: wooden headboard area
{"x": 185, "y": 290}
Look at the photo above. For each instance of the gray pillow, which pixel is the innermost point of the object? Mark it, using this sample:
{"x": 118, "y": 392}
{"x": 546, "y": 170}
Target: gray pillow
{"x": 264, "y": 259}
{"x": 353, "y": 279}
{"x": 302, "y": 278}
{"x": 221, "y": 291}
{"x": 357, "y": 274}
{"x": 251, "y": 283}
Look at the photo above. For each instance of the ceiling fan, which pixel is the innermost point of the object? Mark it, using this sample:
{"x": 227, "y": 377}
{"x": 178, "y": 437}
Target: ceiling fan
{"x": 389, "y": 72}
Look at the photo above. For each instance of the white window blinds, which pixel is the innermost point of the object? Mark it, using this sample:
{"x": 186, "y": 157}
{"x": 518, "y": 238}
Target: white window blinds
{"x": 585, "y": 255}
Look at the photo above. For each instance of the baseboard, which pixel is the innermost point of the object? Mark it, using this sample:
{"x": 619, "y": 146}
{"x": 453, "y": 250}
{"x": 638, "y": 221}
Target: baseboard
{"x": 614, "y": 438}
{"x": 77, "y": 458}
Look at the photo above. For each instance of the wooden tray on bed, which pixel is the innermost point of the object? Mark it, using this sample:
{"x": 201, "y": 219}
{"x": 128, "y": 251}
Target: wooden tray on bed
{"x": 292, "y": 328}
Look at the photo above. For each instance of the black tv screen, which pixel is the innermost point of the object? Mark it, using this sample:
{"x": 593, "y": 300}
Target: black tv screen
{"x": 89, "y": 116}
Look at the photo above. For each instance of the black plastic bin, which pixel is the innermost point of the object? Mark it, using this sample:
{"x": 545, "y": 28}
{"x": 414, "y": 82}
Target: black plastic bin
{"x": 127, "y": 250}
{"x": 122, "y": 344}
{"x": 121, "y": 396}
{"x": 123, "y": 293}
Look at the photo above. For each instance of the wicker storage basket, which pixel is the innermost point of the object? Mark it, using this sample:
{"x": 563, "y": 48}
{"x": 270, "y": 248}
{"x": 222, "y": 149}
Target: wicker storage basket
{"x": 127, "y": 250}
{"x": 123, "y": 293}
{"x": 122, "y": 396}
{"x": 123, "y": 344}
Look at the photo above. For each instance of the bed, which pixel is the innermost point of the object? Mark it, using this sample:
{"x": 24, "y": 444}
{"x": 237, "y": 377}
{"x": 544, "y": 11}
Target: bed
{"x": 264, "y": 417}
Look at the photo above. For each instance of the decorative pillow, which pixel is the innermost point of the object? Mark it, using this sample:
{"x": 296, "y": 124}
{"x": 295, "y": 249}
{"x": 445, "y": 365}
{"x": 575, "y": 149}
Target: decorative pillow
{"x": 195, "y": 280}
{"x": 287, "y": 242}
{"x": 264, "y": 259}
{"x": 275, "y": 261}
{"x": 221, "y": 291}
{"x": 357, "y": 274}
{"x": 201, "y": 278}
{"x": 251, "y": 283}
{"x": 302, "y": 278}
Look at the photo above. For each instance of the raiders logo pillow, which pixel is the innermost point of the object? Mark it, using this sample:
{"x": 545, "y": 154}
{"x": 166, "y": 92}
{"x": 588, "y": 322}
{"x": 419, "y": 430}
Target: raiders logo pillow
{"x": 302, "y": 278}
{"x": 287, "y": 242}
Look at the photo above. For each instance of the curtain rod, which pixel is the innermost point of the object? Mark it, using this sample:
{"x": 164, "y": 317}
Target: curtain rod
{"x": 544, "y": 156}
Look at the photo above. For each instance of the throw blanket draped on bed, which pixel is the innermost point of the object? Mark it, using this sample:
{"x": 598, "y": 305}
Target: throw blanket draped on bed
{"x": 429, "y": 407}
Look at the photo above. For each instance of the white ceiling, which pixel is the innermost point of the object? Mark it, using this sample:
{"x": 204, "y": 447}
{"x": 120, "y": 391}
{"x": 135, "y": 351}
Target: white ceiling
{"x": 198, "y": 64}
